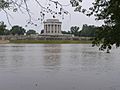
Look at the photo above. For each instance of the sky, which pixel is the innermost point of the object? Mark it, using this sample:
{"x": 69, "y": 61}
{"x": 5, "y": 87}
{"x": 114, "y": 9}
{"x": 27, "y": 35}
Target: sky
{"x": 74, "y": 19}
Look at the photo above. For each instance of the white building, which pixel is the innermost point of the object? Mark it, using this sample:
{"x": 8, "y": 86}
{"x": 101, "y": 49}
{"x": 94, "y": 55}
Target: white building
{"x": 52, "y": 27}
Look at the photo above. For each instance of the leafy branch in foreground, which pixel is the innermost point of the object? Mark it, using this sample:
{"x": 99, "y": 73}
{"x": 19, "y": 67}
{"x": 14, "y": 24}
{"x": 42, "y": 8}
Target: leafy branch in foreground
{"x": 23, "y": 7}
{"x": 108, "y": 11}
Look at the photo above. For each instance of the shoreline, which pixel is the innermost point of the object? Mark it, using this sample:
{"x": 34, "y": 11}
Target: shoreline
{"x": 51, "y": 41}
{"x": 4, "y": 41}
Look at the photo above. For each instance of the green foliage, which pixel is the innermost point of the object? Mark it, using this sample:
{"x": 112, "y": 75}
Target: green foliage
{"x": 88, "y": 31}
{"x": 109, "y": 12}
{"x": 3, "y": 30}
{"x": 29, "y": 32}
{"x": 65, "y": 32}
{"x": 4, "y": 4}
{"x": 42, "y": 31}
{"x": 109, "y": 34}
{"x": 51, "y": 41}
{"x": 6, "y": 32}
{"x": 74, "y": 30}
{"x": 17, "y": 30}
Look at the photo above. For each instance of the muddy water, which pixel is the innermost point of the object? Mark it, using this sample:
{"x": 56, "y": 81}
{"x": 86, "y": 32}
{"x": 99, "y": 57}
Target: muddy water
{"x": 58, "y": 67}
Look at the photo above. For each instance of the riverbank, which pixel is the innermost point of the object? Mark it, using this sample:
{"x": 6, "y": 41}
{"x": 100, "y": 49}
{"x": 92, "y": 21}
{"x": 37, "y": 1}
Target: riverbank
{"x": 4, "y": 41}
{"x": 51, "y": 41}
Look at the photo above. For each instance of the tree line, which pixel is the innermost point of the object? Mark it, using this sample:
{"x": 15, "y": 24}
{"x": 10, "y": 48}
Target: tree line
{"x": 86, "y": 31}
{"x": 15, "y": 30}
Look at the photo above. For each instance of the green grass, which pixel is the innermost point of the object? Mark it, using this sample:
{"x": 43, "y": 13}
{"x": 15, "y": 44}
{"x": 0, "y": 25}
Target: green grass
{"x": 50, "y": 41}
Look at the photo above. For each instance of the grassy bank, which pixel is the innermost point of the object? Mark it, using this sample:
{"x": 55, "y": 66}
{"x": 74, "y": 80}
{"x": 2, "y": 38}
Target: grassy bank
{"x": 50, "y": 42}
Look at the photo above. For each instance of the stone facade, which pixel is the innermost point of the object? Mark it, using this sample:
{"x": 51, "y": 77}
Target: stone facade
{"x": 52, "y": 27}
{"x": 42, "y": 37}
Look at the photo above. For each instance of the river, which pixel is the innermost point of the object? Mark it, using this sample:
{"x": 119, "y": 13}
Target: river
{"x": 58, "y": 67}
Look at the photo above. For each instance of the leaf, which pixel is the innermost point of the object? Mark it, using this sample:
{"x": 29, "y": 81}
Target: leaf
{"x": 15, "y": 10}
{"x": 53, "y": 16}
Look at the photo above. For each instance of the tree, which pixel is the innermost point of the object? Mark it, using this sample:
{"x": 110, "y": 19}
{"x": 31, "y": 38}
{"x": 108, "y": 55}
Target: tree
{"x": 109, "y": 33}
{"x": 7, "y": 32}
{"x": 88, "y": 31}
{"x": 29, "y": 32}
{"x": 4, "y": 4}
{"x": 3, "y": 30}
{"x": 74, "y": 30}
{"x": 65, "y": 32}
{"x": 17, "y": 30}
{"x": 108, "y": 11}
{"x": 23, "y": 7}
{"x": 42, "y": 31}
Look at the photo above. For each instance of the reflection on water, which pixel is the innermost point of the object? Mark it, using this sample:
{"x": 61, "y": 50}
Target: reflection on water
{"x": 52, "y": 57}
{"x": 58, "y": 67}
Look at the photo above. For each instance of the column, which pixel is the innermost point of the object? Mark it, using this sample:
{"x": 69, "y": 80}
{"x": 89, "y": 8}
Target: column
{"x": 50, "y": 28}
{"x": 53, "y": 28}
{"x": 59, "y": 28}
{"x": 44, "y": 29}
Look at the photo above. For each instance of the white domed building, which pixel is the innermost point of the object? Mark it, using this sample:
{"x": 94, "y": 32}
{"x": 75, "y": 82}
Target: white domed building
{"x": 52, "y": 27}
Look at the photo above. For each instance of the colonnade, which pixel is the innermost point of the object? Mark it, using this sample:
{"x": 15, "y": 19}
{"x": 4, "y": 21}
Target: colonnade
{"x": 52, "y": 27}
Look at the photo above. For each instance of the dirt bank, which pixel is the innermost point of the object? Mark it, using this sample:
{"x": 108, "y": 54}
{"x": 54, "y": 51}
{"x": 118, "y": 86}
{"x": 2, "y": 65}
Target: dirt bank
{"x": 4, "y": 41}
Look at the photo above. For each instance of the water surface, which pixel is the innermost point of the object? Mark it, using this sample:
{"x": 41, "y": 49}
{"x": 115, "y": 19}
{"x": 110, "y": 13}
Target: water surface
{"x": 58, "y": 67}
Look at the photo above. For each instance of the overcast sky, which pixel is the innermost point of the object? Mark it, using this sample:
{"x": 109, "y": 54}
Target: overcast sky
{"x": 76, "y": 18}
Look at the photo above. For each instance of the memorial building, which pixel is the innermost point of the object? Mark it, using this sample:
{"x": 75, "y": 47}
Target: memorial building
{"x": 52, "y": 27}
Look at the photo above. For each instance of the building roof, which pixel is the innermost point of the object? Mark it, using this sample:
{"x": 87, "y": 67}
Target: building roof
{"x": 52, "y": 21}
